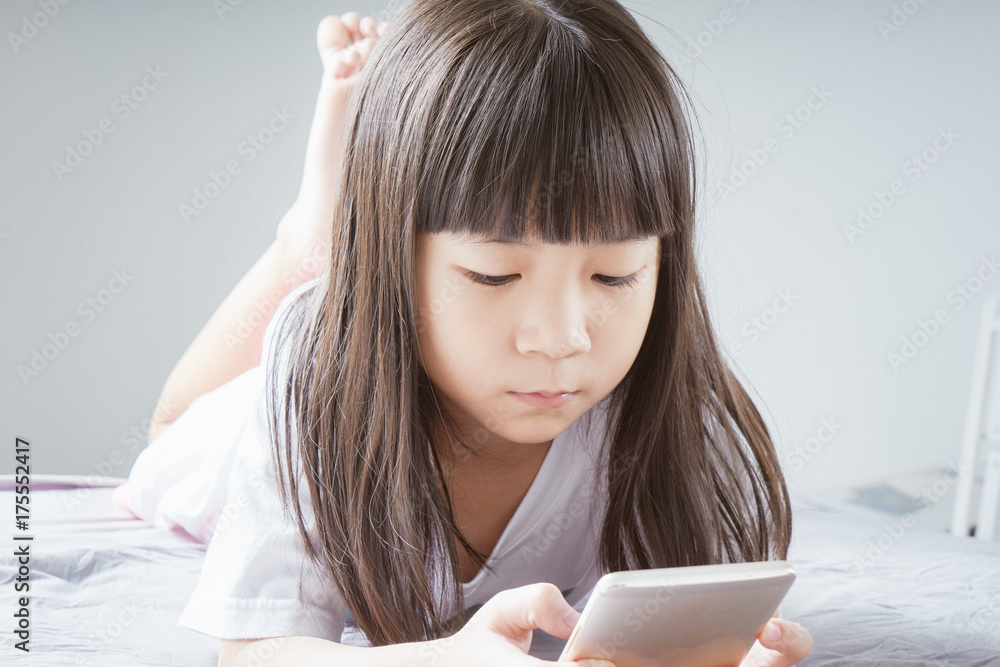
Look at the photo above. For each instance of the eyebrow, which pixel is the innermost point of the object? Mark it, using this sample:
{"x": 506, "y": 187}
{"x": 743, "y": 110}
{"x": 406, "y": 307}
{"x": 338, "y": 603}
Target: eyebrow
{"x": 479, "y": 241}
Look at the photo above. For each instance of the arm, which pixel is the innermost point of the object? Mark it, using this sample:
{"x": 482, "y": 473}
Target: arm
{"x": 230, "y": 343}
{"x": 315, "y": 652}
{"x": 498, "y": 634}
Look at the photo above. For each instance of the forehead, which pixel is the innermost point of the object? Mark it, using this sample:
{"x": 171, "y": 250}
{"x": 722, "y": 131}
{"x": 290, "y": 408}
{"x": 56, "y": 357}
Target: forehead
{"x": 471, "y": 240}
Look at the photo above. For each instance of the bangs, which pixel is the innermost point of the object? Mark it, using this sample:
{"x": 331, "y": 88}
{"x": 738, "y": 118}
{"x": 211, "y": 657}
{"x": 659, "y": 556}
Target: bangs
{"x": 531, "y": 139}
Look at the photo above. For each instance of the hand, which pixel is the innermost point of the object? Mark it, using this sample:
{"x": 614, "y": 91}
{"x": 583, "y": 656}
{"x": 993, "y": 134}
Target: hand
{"x": 499, "y": 634}
{"x": 794, "y": 644}
{"x": 305, "y": 232}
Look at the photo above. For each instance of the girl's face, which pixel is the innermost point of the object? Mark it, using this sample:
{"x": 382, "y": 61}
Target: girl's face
{"x": 556, "y": 322}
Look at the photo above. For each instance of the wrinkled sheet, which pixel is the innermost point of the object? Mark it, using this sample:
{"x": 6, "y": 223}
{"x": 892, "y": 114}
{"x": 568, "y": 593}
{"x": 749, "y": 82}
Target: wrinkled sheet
{"x": 872, "y": 591}
{"x": 107, "y": 588}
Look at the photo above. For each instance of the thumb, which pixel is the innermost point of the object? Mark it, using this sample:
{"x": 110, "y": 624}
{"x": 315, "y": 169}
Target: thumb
{"x": 790, "y": 640}
{"x": 535, "y": 606}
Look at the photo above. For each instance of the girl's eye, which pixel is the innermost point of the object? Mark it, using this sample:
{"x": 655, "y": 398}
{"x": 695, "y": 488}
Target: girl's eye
{"x": 624, "y": 282}
{"x": 500, "y": 281}
{"x": 489, "y": 281}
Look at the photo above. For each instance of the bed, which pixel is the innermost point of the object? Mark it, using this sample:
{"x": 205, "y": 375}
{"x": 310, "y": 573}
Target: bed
{"x": 107, "y": 588}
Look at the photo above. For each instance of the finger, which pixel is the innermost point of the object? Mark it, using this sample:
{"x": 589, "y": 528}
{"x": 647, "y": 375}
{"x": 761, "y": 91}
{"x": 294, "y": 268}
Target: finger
{"x": 793, "y": 642}
{"x": 348, "y": 62}
{"x": 535, "y": 606}
{"x": 350, "y": 59}
{"x": 353, "y": 22}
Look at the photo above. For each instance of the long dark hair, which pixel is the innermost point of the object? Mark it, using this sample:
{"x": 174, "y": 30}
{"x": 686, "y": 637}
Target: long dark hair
{"x": 509, "y": 118}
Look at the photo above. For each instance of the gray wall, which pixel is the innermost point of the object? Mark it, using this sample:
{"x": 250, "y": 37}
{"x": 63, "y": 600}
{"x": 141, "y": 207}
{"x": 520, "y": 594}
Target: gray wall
{"x": 222, "y": 77}
{"x": 855, "y": 292}
{"x": 884, "y": 98}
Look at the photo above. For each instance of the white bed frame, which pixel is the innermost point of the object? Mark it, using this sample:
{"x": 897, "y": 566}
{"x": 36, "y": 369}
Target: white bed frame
{"x": 980, "y": 435}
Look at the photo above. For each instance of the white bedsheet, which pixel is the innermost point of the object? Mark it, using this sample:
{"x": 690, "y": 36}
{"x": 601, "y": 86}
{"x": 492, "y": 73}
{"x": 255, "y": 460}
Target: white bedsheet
{"x": 106, "y": 588}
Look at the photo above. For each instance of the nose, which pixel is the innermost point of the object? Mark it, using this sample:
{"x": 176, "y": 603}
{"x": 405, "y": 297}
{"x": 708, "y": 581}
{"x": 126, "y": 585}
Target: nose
{"x": 553, "y": 325}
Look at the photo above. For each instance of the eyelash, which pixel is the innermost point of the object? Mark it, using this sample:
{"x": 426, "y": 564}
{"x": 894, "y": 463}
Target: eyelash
{"x": 621, "y": 283}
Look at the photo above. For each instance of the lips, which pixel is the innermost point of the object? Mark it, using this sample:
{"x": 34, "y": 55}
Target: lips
{"x": 545, "y": 399}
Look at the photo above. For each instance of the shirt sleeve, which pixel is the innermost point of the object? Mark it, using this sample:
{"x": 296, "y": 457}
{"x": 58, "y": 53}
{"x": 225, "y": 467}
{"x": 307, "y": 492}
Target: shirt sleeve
{"x": 256, "y": 580}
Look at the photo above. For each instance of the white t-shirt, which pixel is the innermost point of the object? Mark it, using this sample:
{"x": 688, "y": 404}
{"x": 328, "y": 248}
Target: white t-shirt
{"x": 257, "y": 581}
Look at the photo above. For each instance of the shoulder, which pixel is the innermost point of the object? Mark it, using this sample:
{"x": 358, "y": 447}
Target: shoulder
{"x": 269, "y": 443}
{"x": 290, "y": 313}
{"x": 276, "y": 327}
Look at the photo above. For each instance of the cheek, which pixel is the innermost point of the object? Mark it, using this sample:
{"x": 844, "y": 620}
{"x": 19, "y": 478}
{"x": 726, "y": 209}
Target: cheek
{"x": 619, "y": 328}
{"x": 471, "y": 330}
{"x": 455, "y": 334}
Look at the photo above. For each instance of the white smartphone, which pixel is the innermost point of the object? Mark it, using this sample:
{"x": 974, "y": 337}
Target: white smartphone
{"x": 698, "y": 616}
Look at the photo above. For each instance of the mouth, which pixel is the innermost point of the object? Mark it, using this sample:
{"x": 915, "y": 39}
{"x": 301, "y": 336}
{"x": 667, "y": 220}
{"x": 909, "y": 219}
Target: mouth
{"x": 546, "y": 399}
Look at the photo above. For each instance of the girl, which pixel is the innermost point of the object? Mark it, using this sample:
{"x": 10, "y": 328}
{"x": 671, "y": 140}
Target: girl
{"x": 501, "y": 380}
